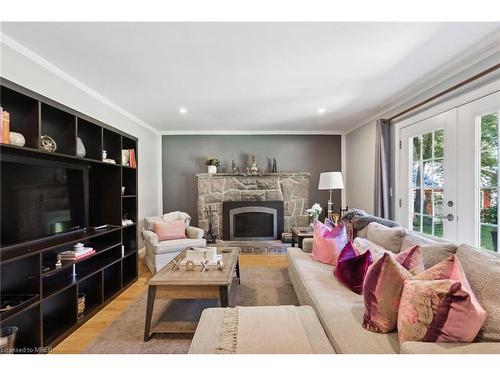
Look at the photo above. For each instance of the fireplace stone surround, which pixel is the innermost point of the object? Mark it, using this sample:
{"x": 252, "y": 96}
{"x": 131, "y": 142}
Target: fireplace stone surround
{"x": 290, "y": 187}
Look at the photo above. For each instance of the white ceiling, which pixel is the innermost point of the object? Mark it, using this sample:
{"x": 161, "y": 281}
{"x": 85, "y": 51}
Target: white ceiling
{"x": 250, "y": 76}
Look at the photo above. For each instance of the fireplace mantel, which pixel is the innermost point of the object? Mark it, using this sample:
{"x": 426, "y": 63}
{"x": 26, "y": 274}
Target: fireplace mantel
{"x": 290, "y": 187}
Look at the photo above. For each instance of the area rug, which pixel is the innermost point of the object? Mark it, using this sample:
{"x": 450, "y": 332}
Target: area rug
{"x": 259, "y": 287}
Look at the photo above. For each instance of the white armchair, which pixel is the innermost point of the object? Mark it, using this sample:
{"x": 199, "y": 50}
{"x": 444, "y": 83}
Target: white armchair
{"x": 159, "y": 253}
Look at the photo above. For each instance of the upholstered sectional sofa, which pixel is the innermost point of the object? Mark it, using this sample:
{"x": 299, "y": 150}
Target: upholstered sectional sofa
{"x": 340, "y": 310}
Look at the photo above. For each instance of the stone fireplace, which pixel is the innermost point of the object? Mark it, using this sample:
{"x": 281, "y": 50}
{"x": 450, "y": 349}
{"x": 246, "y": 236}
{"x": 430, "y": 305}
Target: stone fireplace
{"x": 290, "y": 188}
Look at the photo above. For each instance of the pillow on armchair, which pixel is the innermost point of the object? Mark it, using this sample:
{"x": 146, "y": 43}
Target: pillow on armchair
{"x": 172, "y": 230}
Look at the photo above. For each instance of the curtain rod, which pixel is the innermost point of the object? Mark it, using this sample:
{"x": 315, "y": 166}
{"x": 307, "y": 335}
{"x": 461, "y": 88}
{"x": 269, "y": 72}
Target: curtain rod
{"x": 448, "y": 90}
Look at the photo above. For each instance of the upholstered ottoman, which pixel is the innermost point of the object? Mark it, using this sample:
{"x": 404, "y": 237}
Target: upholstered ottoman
{"x": 260, "y": 330}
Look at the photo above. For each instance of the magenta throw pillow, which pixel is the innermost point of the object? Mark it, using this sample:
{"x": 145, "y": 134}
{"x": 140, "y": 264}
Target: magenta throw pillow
{"x": 328, "y": 242}
{"x": 351, "y": 268}
{"x": 172, "y": 230}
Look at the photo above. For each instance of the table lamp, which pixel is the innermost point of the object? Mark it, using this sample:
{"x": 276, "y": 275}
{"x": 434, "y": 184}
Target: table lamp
{"x": 330, "y": 181}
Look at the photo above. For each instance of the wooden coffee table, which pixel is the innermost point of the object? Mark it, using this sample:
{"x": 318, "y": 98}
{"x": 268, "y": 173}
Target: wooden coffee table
{"x": 299, "y": 233}
{"x": 184, "y": 284}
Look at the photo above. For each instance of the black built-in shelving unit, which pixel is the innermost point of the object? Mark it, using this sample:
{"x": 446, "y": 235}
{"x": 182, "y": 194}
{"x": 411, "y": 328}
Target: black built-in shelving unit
{"x": 50, "y": 311}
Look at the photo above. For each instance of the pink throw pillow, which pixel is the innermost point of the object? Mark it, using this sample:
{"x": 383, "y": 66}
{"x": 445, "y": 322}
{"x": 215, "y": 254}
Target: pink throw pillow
{"x": 173, "y": 230}
{"x": 382, "y": 291}
{"x": 328, "y": 242}
{"x": 351, "y": 268}
{"x": 412, "y": 260}
{"x": 438, "y": 305}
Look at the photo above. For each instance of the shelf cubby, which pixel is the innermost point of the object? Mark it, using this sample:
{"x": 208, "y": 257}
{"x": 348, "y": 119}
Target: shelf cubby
{"x": 91, "y": 136}
{"x": 29, "y": 334}
{"x": 21, "y": 276}
{"x": 105, "y": 195}
{"x": 55, "y": 282}
{"x": 58, "y": 315}
{"x": 112, "y": 280}
{"x": 92, "y": 288}
{"x": 129, "y": 268}
{"x": 129, "y": 181}
{"x": 129, "y": 209}
{"x": 112, "y": 144}
{"x": 129, "y": 239}
{"x": 24, "y": 115}
{"x": 97, "y": 262}
{"x": 61, "y": 127}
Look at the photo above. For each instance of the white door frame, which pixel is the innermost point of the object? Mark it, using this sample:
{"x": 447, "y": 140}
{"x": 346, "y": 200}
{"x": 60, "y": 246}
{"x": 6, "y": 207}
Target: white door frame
{"x": 439, "y": 107}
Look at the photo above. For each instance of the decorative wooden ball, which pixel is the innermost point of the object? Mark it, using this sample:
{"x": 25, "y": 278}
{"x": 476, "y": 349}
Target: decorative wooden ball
{"x": 47, "y": 143}
{"x": 189, "y": 265}
{"x": 220, "y": 265}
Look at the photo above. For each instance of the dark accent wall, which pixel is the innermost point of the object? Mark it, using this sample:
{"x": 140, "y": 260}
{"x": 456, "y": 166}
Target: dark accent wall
{"x": 184, "y": 155}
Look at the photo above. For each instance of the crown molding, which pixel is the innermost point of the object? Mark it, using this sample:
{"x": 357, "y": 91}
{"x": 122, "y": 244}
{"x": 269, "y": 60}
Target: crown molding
{"x": 251, "y": 132}
{"x": 37, "y": 59}
{"x": 485, "y": 49}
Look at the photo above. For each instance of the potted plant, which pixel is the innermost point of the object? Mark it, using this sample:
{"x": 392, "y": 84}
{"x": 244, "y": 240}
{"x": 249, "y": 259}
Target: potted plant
{"x": 212, "y": 164}
{"x": 314, "y": 213}
{"x": 490, "y": 216}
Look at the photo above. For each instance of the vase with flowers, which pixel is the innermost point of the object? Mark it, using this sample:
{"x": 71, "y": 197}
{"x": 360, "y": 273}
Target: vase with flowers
{"x": 314, "y": 213}
{"x": 212, "y": 164}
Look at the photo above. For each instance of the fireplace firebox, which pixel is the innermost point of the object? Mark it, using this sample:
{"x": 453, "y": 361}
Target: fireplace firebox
{"x": 251, "y": 220}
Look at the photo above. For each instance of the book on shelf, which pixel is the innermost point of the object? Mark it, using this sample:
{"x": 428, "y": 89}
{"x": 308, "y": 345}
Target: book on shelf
{"x": 5, "y": 127}
{"x": 132, "y": 162}
{"x": 77, "y": 254}
{"x": 128, "y": 158}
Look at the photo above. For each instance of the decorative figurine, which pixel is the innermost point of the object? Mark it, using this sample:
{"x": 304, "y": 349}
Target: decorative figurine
{"x": 59, "y": 261}
{"x": 189, "y": 265}
{"x": 204, "y": 266}
{"x": 233, "y": 167}
{"x": 47, "y": 144}
{"x": 220, "y": 265}
{"x": 254, "y": 169}
{"x": 275, "y": 168}
{"x": 175, "y": 265}
{"x": 211, "y": 236}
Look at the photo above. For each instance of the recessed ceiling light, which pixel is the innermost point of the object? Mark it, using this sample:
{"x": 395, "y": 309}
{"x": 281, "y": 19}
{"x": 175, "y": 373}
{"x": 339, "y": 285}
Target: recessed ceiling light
{"x": 183, "y": 111}
{"x": 321, "y": 111}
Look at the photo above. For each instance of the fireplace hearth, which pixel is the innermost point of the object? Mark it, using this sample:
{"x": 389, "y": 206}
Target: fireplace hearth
{"x": 252, "y": 221}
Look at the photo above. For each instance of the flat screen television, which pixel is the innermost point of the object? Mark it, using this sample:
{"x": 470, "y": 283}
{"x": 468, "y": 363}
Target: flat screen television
{"x": 41, "y": 198}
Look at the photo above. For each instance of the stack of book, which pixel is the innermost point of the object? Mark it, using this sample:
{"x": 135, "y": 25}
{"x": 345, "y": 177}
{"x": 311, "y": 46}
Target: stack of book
{"x": 72, "y": 255}
{"x": 4, "y": 126}
{"x": 128, "y": 158}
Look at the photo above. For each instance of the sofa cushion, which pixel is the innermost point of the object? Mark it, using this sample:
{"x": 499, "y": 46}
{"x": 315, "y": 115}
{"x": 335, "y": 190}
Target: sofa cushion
{"x": 361, "y": 245}
{"x": 363, "y": 233}
{"x": 434, "y": 253}
{"x": 389, "y": 238}
{"x": 482, "y": 269}
{"x": 436, "y": 303}
{"x": 173, "y": 246}
{"x": 339, "y": 309}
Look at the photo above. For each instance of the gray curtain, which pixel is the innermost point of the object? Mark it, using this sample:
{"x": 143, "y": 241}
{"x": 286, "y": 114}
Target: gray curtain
{"x": 383, "y": 183}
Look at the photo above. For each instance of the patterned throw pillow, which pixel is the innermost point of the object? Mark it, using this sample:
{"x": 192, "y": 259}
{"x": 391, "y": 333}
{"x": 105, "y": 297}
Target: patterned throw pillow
{"x": 351, "y": 268}
{"x": 438, "y": 305}
{"x": 173, "y": 230}
{"x": 328, "y": 242}
{"x": 382, "y": 293}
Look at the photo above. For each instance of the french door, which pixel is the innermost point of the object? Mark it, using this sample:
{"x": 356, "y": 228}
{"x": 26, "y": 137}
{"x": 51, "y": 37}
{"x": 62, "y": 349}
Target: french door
{"x": 449, "y": 174}
{"x": 429, "y": 169}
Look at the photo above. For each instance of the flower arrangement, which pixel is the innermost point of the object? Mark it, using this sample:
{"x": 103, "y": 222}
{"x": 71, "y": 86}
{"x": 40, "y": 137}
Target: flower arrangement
{"x": 215, "y": 162}
{"x": 314, "y": 212}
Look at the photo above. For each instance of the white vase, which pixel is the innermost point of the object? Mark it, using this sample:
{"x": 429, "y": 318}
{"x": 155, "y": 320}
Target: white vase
{"x": 16, "y": 139}
{"x": 212, "y": 169}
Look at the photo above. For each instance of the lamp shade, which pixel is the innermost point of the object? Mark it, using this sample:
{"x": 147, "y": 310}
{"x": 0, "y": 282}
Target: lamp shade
{"x": 330, "y": 180}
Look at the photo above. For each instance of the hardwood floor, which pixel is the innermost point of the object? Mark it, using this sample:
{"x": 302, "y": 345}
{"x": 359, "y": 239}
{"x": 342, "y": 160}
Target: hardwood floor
{"x": 79, "y": 339}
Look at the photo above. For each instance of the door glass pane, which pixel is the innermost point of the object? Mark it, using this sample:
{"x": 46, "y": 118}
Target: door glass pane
{"x": 416, "y": 201}
{"x": 427, "y": 182}
{"x": 488, "y": 181}
{"x": 427, "y": 146}
{"x": 439, "y": 143}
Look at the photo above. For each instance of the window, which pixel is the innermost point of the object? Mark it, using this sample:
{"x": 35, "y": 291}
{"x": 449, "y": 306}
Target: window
{"x": 427, "y": 182}
{"x": 488, "y": 179}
